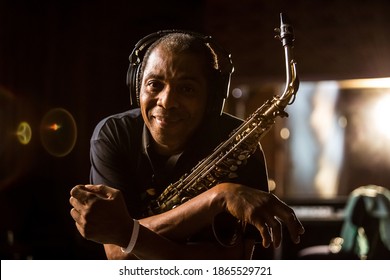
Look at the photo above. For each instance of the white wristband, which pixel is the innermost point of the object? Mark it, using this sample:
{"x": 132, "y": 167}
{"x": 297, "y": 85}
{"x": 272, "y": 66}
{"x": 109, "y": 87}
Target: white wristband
{"x": 133, "y": 239}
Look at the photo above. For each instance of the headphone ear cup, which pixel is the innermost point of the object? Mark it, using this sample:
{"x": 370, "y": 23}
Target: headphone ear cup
{"x": 225, "y": 73}
{"x": 222, "y": 93}
{"x": 136, "y": 57}
{"x": 225, "y": 87}
{"x": 132, "y": 82}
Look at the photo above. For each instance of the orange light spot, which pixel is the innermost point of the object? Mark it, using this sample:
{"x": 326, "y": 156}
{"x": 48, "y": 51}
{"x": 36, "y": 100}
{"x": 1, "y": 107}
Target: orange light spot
{"x": 54, "y": 127}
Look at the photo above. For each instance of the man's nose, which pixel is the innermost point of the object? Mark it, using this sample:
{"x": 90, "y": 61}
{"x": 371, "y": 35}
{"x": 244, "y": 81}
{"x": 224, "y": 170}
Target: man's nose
{"x": 167, "y": 98}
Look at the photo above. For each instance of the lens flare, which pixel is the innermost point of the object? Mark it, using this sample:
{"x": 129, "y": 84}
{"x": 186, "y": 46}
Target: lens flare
{"x": 58, "y": 132}
{"x": 24, "y": 133}
{"x": 15, "y": 137}
{"x": 54, "y": 126}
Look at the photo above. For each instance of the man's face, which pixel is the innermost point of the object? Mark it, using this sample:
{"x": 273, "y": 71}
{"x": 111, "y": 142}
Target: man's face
{"x": 173, "y": 97}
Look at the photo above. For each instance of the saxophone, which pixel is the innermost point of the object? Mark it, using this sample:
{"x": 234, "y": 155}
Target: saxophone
{"x": 231, "y": 154}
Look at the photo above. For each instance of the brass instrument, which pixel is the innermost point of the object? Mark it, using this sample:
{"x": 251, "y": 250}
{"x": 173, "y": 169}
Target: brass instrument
{"x": 242, "y": 142}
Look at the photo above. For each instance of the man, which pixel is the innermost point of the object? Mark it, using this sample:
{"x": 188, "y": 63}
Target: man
{"x": 180, "y": 81}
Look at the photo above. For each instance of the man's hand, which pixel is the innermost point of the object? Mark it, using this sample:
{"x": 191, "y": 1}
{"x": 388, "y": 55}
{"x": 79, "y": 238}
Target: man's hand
{"x": 263, "y": 210}
{"x": 101, "y": 214}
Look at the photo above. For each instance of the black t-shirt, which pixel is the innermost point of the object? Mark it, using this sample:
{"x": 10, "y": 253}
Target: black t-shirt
{"x": 122, "y": 157}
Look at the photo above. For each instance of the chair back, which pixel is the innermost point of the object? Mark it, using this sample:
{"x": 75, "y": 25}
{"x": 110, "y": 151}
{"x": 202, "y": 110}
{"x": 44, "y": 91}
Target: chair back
{"x": 366, "y": 228}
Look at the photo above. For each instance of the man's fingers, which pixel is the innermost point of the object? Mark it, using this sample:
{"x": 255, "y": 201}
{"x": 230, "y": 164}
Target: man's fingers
{"x": 75, "y": 203}
{"x": 295, "y": 228}
{"x": 265, "y": 233}
{"x": 75, "y": 215}
{"x": 86, "y": 193}
{"x": 287, "y": 215}
{"x": 271, "y": 232}
{"x": 101, "y": 190}
{"x": 276, "y": 231}
{"x": 79, "y": 192}
{"x": 81, "y": 230}
{"x": 270, "y": 225}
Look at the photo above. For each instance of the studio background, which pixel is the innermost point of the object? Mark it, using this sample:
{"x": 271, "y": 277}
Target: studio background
{"x": 72, "y": 56}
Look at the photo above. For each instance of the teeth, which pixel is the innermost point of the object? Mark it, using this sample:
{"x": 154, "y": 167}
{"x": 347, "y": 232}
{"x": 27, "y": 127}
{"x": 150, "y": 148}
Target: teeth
{"x": 166, "y": 120}
{"x": 161, "y": 120}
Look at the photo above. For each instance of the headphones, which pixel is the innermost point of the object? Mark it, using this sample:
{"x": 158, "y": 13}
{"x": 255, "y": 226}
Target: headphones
{"x": 137, "y": 55}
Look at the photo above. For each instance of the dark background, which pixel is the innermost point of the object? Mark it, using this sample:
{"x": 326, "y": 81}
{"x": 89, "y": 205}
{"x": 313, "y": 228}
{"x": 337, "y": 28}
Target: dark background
{"x": 74, "y": 55}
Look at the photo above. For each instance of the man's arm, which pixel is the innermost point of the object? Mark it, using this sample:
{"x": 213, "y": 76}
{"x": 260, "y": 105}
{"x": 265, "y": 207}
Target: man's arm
{"x": 101, "y": 215}
{"x": 172, "y": 250}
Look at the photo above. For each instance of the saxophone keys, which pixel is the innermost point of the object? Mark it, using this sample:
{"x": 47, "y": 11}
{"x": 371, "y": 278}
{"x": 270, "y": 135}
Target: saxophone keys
{"x": 241, "y": 157}
{"x": 151, "y": 191}
{"x": 232, "y": 175}
{"x": 233, "y": 168}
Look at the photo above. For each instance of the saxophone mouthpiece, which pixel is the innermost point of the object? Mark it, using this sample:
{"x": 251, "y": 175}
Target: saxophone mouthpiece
{"x": 286, "y": 32}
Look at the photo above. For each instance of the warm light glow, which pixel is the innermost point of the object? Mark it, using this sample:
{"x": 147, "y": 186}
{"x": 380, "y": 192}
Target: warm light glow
{"x": 24, "y": 133}
{"x": 343, "y": 122}
{"x": 58, "y": 132}
{"x": 271, "y": 185}
{"x": 285, "y": 133}
{"x": 381, "y": 116}
{"x": 54, "y": 127}
{"x": 340, "y": 132}
{"x": 237, "y": 93}
{"x": 365, "y": 83}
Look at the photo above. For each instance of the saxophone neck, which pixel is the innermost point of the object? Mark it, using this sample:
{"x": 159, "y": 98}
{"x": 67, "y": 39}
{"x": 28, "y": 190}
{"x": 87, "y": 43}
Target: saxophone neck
{"x": 286, "y": 36}
{"x": 292, "y": 83}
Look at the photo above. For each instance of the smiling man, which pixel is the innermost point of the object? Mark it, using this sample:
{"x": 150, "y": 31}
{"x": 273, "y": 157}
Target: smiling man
{"x": 173, "y": 97}
{"x": 178, "y": 81}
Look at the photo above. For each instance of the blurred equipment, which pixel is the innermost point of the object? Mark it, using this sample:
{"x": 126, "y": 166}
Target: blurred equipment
{"x": 365, "y": 233}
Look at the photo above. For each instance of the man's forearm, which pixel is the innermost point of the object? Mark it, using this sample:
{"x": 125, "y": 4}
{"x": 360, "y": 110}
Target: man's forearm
{"x": 188, "y": 218}
{"x": 151, "y": 246}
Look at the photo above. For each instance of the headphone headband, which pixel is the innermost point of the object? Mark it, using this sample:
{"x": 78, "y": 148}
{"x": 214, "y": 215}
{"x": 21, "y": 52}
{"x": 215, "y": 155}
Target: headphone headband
{"x": 137, "y": 55}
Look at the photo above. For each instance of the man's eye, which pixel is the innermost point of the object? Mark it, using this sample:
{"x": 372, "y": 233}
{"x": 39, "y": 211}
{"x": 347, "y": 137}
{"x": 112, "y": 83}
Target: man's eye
{"x": 154, "y": 85}
{"x": 186, "y": 89}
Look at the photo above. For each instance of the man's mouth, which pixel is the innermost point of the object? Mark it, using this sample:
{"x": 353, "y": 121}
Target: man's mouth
{"x": 166, "y": 120}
